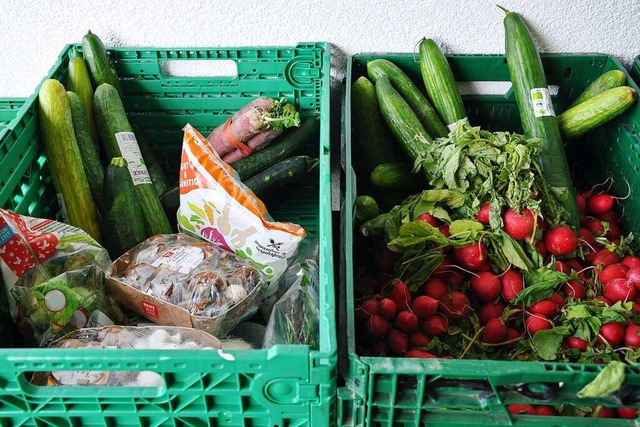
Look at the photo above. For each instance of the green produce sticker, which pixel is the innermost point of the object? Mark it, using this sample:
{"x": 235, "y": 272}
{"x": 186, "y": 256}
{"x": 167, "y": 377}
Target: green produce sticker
{"x": 541, "y": 100}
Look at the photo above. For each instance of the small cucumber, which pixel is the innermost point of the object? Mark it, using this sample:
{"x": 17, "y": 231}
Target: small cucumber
{"x": 366, "y": 208}
{"x": 374, "y": 227}
{"x": 79, "y": 83}
{"x": 100, "y": 66}
{"x": 281, "y": 175}
{"x": 410, "y": 92}
{"x": 154, "y": 167}
{"x": 606, "y": 81}
{"x": 397, "y": 176}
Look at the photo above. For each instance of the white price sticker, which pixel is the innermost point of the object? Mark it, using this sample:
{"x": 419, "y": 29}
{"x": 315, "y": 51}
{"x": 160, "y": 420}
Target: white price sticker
{"x": 542, "y": 105}
{"x": 182, "y": 259}
{"x": 131, "y": 153}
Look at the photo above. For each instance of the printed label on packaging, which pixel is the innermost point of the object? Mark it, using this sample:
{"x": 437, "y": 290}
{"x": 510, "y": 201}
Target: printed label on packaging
{"x": 63, "y": 207}
{"x": 454, "y": 126}
{"x": 6, "y": 233}
{"x": 98, "y": 319}
{"x": 150, "y": 309}
{"x": 81, "y": 377}
{"x": 131, "y": 152}
{"x": 182, "y": 259}
{"x": 542, "y": 105}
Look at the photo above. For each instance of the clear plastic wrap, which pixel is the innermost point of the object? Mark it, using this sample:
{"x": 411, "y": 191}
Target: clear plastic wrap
{"x": 215, "y": 287}
{"x": 54, "y": 278}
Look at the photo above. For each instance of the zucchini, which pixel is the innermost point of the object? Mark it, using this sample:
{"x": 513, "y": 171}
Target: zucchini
{"x": 292, "y": 142}
{"x": 372, "y": 136}
{"x": 410, "y": 92}
{"x": 152, "y": 163}
{"x": 286, "y": 173}
{"x": 123, "y": 215}
{"x": 606, "y": 81}
{"x": 440, "y": 84}
{"x": 63, "y": 155}
{"x": 88, "y": 153}
{"x": 120, "y": 141}
{"x": 401, "y": 119}
{"x": 97, "y": 58}
{"x": 529, "y": 82}
{"x": 170, "y": 201}
{"x": 397, "y": 176}
{"x": 366, "y": 208}
{"x": 374, "y": 227}
{"x": 79, "y": 83}
{"x": 596, "y": 111}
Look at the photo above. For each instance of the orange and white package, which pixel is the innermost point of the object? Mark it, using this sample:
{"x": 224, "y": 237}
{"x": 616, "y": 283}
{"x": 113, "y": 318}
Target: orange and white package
{"x": 216, "y": 206}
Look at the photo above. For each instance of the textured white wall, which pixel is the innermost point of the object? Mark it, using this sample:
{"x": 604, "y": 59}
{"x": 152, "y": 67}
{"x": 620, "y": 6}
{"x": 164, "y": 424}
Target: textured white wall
{"x": 32, "y": 33}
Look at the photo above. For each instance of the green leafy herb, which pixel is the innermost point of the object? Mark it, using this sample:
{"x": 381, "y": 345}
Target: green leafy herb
{"x": 540, "y": 285}
{"x": 547, "y": 343}
{"x": 608, "y": 381}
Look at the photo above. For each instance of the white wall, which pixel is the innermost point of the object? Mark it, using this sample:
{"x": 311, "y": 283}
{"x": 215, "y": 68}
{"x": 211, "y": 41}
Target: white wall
{"x": 32, "y": 33}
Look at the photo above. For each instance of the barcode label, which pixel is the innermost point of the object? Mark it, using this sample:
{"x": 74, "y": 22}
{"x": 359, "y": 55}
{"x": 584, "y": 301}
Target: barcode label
{"x": 131, "y": 152}
{"x": 542, "y": 105}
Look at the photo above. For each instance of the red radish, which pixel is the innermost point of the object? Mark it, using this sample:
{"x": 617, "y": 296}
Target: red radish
{"x": 519, "y": 225}
{"x": 609, "y": 216}
{"x": 444, "y": 229}
{"x": 512, "y": 284}
{"x": 520, "y": 408}
{"x": 545, "y": 307}
{"x": 604, "y": 300}
{"x": 636, "y": 307}
{"x": 401, "y": 296}
{"x": 377, "y": 326}
{"x": 379, "y": 348}
{"x": 420, "y": 354}
{"x": 631, "y": 261}
{"x": 633, "y": 277}
{"x": 385, "y": 259}
{"x": 600, "y": 203}
{"x": 367, "y": 309}
{"x": 398, "y": 342}
{"x": 545, "y": 410}
{"x": 613, "y": 332}
{"x": 542, "y": 249}
{"x": 407, "y": 321}
{"x": 628, "y": 413}
{"x": 574, "y": 289}
{"x": 619, "y": 290}
{"x": 614, "y": 232}
{"x": 454, "y": 305}
{"x": 483, "y": 214}
{"x": 486, "y": 286}
{"x": 586, "y": 238}
{"x": 558, "y": 300}
{"x": 595, "y": 226}
{"x": 485, "y": 267}
{"x": 419, "y": 339}
{"x": 604, "y": 412}
{"x": 494, "y": 331}
{"x": 562, "y": 267}
{"x": 573, "y": 264}
{"x": 489, "y": 311}
{"x": 434, "y": 288}
{"x": 424, "y": 306}
{"x": 535, "y": 323}
{"x": 579, "y": 343}
{"x": 631, "y": 337}
{"x": 434, "y": 326}
{"x": 582, "y": 202}
{"x": 429, "y": 219}
{"x": 471, "y": 256}
{"x": 613, "y": 271}
{"x": 561, "y": 241}
{"x": 387, "y": 307}
{"x": 512, "y": 333}
{"x": 604, "y": 258}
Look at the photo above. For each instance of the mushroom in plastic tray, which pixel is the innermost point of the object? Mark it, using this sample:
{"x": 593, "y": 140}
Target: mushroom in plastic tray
{"x": 123, "y": 337}
{"x": 174, "y": 279}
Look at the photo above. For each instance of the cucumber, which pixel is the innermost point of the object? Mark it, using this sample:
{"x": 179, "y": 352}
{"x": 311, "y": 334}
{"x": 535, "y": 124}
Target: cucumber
{"x": 79, "y": 83}
{"x": 401, "y": 119}
{"x": 606, "y": 81}
{"x": 286, "y": 173}
{"x": 397, "y": 176}
{"x": 525, "y": 68}
{"x": 170, "y": 201}
{"x": 123, "y": 215}
{"x": 596, "y": 111}
{"x": 97, "y": 58}
{"x": 374, "y": 227}
{"x": 372, "y": 136}
{"x": 152, "y": 163}
{"x": 64, "y": 161}
{"x": 410, "y": 92}
{"x": 290, "y": 143}
{"x": 90, "y": 157}
{"x": 113, "y": 124}
{"x": 366, "y": 208}
{"x": 440, "y": 84}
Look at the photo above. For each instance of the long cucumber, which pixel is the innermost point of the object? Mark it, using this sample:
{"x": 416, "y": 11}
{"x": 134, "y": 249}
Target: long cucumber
{"x": 79, "y": 83}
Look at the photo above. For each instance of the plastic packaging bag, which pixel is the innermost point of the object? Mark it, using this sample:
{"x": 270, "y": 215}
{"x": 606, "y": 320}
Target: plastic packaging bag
{"x": 124, "y": 337}
{"x": 216, "y": 206}
{"x": 54, "y": 278}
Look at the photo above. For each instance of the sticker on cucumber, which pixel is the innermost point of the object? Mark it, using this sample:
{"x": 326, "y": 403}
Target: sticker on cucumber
{"x": 131, "y": 152}
{"x": 541, "y": 100}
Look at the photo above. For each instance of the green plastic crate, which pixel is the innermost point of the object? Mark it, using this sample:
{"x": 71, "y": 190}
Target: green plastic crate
{"x": 286, "y": 385}
{"x": 438, "y": 392}
{"x": 635, "y": 69}
{"x": 9, "y": 110}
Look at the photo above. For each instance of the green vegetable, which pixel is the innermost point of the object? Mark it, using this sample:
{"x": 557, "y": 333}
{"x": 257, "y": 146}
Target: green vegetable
{"x": 527, "y": 74}
{"x": 440, "y": 83}
{"x": 540, "y": 284}
{"x": 546, "y": 343}
{"x": 411, "y": 94}
{"x": 374, "y": 227}
{"x": 88, "y": 153}
{"x": 112, "y": 120}
{"x": 596, "y": 111}
{"x": 64, "y": 160}
{"x": 401, "y": 119}
{"x": 151, "y": 162}
{"x": 366, "y": 208}
{"x": 396, "y": 175}
{"x": 608, "y": 381}
{"x": 606, "y": 81}
{"x": 79, "y": 82}
{"x": 123, "y": 214}
{"x": 97, "y": 58}
{"x": 279, "y": 176}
